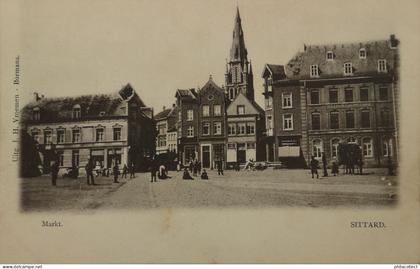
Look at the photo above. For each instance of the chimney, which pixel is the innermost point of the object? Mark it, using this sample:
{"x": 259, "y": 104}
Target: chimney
{"x": 36, "y": 97}
{"x": 173, "y": 105}
{"x": 164, "y": 107}
{"x": 393, "y": 42}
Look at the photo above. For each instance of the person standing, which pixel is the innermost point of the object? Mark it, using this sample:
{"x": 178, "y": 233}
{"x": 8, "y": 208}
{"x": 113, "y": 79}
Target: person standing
{"x": 116, "y": 171}
{"x": 153, "y": 170}
{"x": 334, "y": 169}
{"x": 195, "y": 168}
{"x": 54, "y": 173}
{"x": 390, "y": 167}
{"x": 314, "y": 167}
{"x": 132, "y": 170}
{"x": 125, "y": 172}
{"x": 324, "y": 164}
{"x": 89, "y": 173}
{"x": 219, "y": 168}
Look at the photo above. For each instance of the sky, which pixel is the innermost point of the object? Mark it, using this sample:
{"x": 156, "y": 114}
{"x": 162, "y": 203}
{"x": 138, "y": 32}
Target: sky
{"x": 87, "y": 47}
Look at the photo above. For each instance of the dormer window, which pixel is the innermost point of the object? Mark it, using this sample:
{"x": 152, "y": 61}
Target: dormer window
{"x": 77, "y": 112}
{"x": 314, "y": 72}
{"x": 102, "y": 113}
{"x": 348, "y": 69}
{"x": 36, "y": 114}
{"x": 382, "y": 66}
{"x": 362, "y": 53}
{"x": 330, "y": 55}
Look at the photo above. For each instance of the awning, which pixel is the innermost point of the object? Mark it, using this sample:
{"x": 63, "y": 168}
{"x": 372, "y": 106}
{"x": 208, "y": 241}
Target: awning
{"x": 289, "y": 151}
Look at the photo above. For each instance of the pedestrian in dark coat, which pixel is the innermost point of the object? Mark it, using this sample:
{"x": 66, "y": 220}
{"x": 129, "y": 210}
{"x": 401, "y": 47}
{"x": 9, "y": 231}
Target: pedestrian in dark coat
{"x": 132, "y": 170}
{"x": 191, "y": 166}
{"x": 324, "y": 164}
{"x": 153, "y": 170}
{"x": 116, "y": 171}
{"x": 89, "y": 173}
{"x": 219, "y": 165}
{"x": 195, "y": 168}
{"x": 125, "y": 171}
{"x": 314, "y": 167}
{"x": 199, "y": 167}
{"x": 54, "y": 173}
{"x": 390, "y": 167}
{"x": 334, "y": 169}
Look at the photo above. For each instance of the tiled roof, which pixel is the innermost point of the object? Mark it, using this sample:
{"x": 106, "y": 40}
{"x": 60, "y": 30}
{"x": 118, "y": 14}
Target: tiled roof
{"x": 190, "y": 93}
{"x": 92, "y": 106}
{"x": 163, "y": 114}
{"x": 299, "y": 66}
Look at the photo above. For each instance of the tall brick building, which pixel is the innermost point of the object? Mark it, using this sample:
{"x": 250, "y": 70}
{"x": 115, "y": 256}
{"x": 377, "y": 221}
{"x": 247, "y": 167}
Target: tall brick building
{"x": 331, "y": 94}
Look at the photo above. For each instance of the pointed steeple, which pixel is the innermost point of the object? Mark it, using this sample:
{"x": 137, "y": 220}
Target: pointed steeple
{"x": 238, "y": 52}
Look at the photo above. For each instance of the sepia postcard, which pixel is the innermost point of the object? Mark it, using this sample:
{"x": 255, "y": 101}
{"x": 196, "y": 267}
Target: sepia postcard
{"x": 142, "y": 131}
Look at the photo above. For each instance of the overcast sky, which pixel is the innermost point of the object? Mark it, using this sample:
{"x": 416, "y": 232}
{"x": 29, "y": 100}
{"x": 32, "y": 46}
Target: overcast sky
{"x": 88, "y": 47}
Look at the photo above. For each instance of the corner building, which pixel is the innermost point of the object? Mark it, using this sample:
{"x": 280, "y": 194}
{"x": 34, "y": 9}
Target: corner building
{"x": 331, "y": 94}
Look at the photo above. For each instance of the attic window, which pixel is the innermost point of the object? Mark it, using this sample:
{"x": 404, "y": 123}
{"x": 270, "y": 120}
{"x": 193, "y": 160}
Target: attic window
{"x": 36, "y": 113}
{"x": 348, "y": 69}
{"x": 314, "y": 72}
{"x": 77, "y": 112}
{"x": 362, "y": 53}
{"x": 102, "y": 113}
{"x": 382, "y": 66}
{"x": 330, "y": 55}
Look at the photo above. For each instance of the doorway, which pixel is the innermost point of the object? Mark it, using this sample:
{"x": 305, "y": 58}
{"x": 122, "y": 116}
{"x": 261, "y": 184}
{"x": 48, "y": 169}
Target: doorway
{"x": 205, "y": 156}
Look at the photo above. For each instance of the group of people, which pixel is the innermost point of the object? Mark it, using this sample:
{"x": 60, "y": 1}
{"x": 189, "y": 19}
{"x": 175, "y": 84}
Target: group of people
{"x": 90, "y": 166}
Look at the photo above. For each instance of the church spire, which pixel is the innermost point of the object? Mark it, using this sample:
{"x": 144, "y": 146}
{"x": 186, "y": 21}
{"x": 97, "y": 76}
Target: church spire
{"x": 238, "y": 52}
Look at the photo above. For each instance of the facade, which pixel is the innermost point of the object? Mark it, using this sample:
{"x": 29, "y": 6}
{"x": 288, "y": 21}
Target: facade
{"x": 165, "y": 124}
{"x": 109, "y": 128}
{"x": 245, "y": 127}
{"x": 187, "y": 125}
{"x": 332, "y": 94}
{"x": 212, "y": 124}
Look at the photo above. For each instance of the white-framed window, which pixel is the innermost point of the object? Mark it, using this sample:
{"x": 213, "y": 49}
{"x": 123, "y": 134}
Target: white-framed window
{"x": 382, "y": 66}
{"x": 100, "y": 134}
{"x": 334, "y": 147}
{"x": 231, "y": 129}
{"x": 287, "y": 122}
{"x": 241, "y": 128}
{"x": 60, "y": 135}
{"x": 36, "y": 114}
{"x": 190, "y": 115}
{"x": 206, "y": 128}
{"x": 161, "y": 128}
{"x": 317, "y": 148}
{"x": 362, "y": 53}
{"x": 314, "y": 72}
{"x": 387, "y": 147}
{"x": 240, "y": 109}
{"x": 250, "y": 128}
{"x": 287, "y": 100}
{"x": 367, "y": 147}
{"x": 330, "y": 55}
{"x": 269, "y": 122}
{"x": 217, "y": 110}
{"x": 268, "y": 102}
{"x": 190, "y": 131}
{"x": 206, "y": 110}
{"x": 348, "y": 69}
{"x": 117, "y": 133}
{"x": 217, "y": 128}
{"x": 47, "y": 137}
{"x": 75, "y": 135}
{"x": 77, "y": 111}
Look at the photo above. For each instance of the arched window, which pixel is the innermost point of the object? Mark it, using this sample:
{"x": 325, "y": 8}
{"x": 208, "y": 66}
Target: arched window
{"x": 367, "y": 147}
{"x": 317, "y": 148}
{"x": 36, "y": 113}
{"x": 387, "y": 147}
{"x": 334, "y": 147}
{"x": 77, "y": 112}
